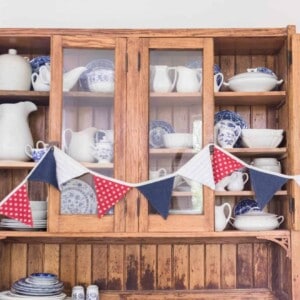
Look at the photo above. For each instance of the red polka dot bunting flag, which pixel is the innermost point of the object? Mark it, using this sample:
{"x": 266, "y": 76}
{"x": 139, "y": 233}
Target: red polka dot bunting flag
{"x": 223, "y": 164}
{"x": 17, "y": 206}
{"x": 108, "y": 194}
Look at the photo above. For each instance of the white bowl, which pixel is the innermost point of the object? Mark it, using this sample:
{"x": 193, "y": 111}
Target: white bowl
{"x": 178, "y": 140}
{"x": 261, "y": 138}
{"x": 252, "y": 82}
{"x": 39, "y": 214}
{"x": 265, "y": 161}
{"x": 38, "y": 205}
{"x": 253, "y": 132}
{"x": 274, "y": 168}
{"x": 257, "y": 221}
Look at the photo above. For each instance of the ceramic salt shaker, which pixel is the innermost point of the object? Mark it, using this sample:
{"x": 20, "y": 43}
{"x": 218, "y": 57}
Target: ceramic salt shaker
{"x": 92, "y": 292}
{"x": 78, "y": 292}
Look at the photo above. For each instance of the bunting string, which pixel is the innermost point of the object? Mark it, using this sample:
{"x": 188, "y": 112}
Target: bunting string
{"x": 207, "y": 167}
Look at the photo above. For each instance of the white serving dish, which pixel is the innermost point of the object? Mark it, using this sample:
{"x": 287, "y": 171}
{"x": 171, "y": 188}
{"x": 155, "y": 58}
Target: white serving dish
{"x": 38, "y": 205}
{"x": 178, "y": 140}
{"x": 261, "y": 138}
{"x": 39, "y": 214}
{"x": 257, "y": 221}
{"x": 252, "y": 82}
{"x": 265, "y": 161}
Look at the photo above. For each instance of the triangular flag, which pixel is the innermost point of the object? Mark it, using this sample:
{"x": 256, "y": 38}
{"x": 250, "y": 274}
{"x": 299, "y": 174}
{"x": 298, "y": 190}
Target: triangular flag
{"x": 66, "y": 167}
{"x": 265, "y": 186}
{"x": 223, "y": 164}
{"x": 199, "y": 168}
{"x": 17, "y": 206}
{"x": 108, "y": 193}
{"x": 45, "y": 171}
{"x": 297, "y": 179}
{"x": 159, "y": 194}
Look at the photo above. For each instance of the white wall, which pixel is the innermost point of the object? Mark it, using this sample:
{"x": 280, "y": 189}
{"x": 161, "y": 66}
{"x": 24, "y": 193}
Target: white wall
{"x": 149, "y": 13}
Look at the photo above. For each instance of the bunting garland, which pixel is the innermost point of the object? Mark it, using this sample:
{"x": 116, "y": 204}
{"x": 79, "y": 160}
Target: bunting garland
{"x": 207, "y": 167}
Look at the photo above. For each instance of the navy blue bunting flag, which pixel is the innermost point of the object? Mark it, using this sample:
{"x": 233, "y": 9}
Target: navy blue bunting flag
{"x": 45, "y": 171}
{"x": 265, "y": 186}
{"x": 159, "y": 194}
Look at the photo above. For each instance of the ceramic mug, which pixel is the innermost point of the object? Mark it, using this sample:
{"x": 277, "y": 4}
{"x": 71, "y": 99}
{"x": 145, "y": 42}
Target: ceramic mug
{"x": 103, "y": 151}
{"x": 227, "y": 133}
{"x": 38, "y": 152}
{"x": 157, "y": 173}
{"x": 218, "y": 81}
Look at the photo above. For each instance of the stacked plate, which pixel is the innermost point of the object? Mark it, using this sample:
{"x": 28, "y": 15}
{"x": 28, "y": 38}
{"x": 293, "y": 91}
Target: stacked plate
{"x": 36, "y": 286}
{"x": 39, "y": 216}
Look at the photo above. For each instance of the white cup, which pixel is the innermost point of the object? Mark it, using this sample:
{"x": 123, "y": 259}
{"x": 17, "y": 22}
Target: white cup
{"x": 78, "y": 292}
{"x": 157, "y": 173}
{"x": 92, "y": 292}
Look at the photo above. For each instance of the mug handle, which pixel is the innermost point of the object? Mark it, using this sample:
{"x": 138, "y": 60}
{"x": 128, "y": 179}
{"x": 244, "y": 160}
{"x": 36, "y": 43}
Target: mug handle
{"x": 246, "y": 177}
{"x": 28, "y": 150}
{"x": 64, "y": 138}
{"x": 229, "y": 211}
{"x": 218, "y": 86}
{"x": 280, "y": 219}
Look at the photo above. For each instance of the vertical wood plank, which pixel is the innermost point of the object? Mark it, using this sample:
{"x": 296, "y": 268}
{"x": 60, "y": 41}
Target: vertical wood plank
{"x": 51, "y": 260}
{"x": 197, "y": 267}
{"x": 5, "y": 263}
{"x": 245, "y": 266}
{"x": 99, "y": 266}
{"x": 148, "y": 267}
{"x": 260, "y": 264}
{"x": 212, "y": 266}
{"x": 35, "y": 258}
{"x": 181, "y": 267}
{"x": 18, "y": 261}
{"x": 164, "y": 267}
{"x": 132, "y": 267}
{"x": 228, "y": 265}
{"x": 68, "y": 266}
{"x": 83, "y": 264}
{"x": 116, "y": 267}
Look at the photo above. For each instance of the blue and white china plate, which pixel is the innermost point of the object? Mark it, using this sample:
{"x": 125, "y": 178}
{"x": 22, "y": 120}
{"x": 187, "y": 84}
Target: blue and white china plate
{"x": 78, "y": 197}
{"x": 196, "y": 64}
{"x": 39, "y": 61}
{"x": 91, "y": 67}
{"x": 156, "y": 132}
{"x": 262, "y": 70}
{"x": 244, "y": 206}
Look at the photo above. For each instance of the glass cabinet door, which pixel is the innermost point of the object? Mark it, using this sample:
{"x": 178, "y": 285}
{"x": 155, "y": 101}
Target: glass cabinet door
{"x": 180, "y": 113}
{"x": 89, "y": 98}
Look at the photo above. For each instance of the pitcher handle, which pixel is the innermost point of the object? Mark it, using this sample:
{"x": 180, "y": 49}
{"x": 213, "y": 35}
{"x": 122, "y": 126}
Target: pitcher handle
{"x": 66, "y": 146}
{"x": 221, "y": 81}
{"x": 199, "y": 74}
{"x": 229, "y": 211}
{"x": 175, "y": 78}
{"x": 246, "y": 177}
{"x": 280, "y": 219}
{"x": 28, "y": 150}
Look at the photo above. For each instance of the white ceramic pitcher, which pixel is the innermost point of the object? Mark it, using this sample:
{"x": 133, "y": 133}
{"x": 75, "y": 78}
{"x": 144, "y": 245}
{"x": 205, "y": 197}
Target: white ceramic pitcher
{"x": 78, "y": 144}
{"x": 189, "y": 80}
{"x": 162, "y": 82}
{"x": 15, "y": 133}
{"x": 237, "y": 181}
{"x": 221, "y": 219}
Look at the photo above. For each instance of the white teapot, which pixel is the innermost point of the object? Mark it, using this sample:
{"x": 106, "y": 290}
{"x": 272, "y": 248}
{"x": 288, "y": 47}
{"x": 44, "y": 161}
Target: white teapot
{"x": 189, "y": 80}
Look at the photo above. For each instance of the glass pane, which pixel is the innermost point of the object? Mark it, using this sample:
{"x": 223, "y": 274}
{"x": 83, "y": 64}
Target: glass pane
{"x": 87, "y": 122}
{"x": 175, "y": 129}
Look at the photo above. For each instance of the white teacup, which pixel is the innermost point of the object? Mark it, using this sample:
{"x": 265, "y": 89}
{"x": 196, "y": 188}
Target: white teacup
{"x": 218, "y": 81}
{"x": 157, "y": 173}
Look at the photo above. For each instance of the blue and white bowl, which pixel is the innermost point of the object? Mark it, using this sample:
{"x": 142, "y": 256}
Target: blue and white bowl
{"x": 244, "y": 206}
{"x": 39, "y": 61}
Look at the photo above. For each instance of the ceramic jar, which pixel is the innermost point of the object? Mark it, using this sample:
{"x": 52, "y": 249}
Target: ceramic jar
{"x": 15, "y": 72}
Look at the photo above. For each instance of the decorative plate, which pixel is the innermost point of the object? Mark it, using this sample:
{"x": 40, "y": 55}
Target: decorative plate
{"x": 97, "y": 64}
{"x": 78, "y": 197}
{"x": 39, "y": 61}
{"x": 244, "y": 206}
{"x": 8, "y": 295}
{"x": 157, "y": 129}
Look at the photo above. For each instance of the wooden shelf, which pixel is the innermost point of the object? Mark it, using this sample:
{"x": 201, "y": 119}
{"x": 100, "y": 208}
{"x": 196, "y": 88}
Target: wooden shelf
{"x": 9, "y": 164}
{"x": 246, "y": 193}
{"x": 175, "y": 98}
{"x": 275, "y": 98}
{"x": 39, "y": 98}
{"x": 98, "y": 165}
{"x": 258, "y": 152}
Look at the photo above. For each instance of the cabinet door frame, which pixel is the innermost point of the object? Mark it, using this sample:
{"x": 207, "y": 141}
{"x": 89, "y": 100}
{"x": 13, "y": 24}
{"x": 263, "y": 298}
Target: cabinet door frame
{"x": 175, "y": 223}
{"x": 88, "y": 223}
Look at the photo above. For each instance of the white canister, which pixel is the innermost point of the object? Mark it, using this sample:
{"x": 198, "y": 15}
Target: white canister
{"x": 197, "y": 133}
{"x": 92, "y": 292}
{"x": 78, "y": 292}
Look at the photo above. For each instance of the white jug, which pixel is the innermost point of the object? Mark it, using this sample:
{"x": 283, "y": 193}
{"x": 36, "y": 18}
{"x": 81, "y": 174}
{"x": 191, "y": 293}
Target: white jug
{"x": 79, "y": 144}
{"x": 161, "y": 79}
{"x": 218, "y": 81}
{"x": 189, "y": 80}
{"x": 237, "y": 181}
{"x": 221, "y": 219}
{"x": 15, "y": 133}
